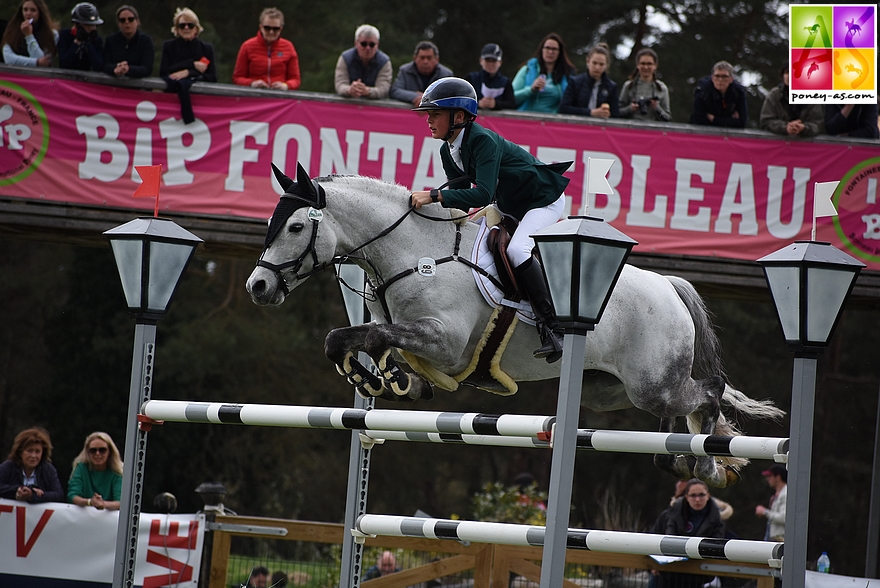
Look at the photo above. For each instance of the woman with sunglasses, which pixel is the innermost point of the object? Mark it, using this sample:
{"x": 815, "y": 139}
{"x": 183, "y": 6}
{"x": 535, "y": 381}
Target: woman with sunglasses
{"x": 30, "y": 39}
{"x": 128, "y": 52}
{"x": 96, "y": 480}
{"x": 28, "y": 474}
{"x": 267, "y": 60}
{"x": 186, "y": 59}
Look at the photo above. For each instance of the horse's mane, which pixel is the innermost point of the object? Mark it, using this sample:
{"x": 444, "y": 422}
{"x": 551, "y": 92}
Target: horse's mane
{"x": 390, "y": 193}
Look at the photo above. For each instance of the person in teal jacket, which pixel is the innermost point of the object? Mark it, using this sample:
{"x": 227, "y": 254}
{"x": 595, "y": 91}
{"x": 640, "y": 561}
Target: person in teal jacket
{"x": 540, "y": 84}
{"x": 96, "y": 480}
{"x": 502, "y": 172}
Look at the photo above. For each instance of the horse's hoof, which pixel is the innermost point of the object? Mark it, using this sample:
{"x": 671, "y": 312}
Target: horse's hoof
{"x": 732, "y": 476}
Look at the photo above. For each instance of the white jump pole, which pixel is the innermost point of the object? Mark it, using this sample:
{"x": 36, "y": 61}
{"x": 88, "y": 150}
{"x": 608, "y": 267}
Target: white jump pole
{"x": 311, "y": 417}
{"x": 770, "y": 448}
{"x": 736, "y": 550}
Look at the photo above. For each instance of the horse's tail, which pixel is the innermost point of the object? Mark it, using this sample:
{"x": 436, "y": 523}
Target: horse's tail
{"x": 707, "y": 360}
{"x": 707, "y": 348}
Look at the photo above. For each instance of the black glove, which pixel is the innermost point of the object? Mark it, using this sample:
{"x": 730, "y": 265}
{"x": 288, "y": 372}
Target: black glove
{"x": 93, "y": 36}
{"x": 81, "y": 34}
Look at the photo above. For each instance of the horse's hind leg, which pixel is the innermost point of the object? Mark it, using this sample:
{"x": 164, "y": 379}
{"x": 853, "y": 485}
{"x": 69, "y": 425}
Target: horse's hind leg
{"x": 339, "y": 347}
{"x": 680, "y": 466}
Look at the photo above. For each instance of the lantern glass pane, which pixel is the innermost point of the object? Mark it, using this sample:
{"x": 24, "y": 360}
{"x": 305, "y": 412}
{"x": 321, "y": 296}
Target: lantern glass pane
{"x": 826, "y": 291}
{"x": 785, "y": 285}
{"x": 167, "y": 262}
{"x": 599, "y": 265}
{"x": 129, "y": 258}
{"x": 558, "y": 262}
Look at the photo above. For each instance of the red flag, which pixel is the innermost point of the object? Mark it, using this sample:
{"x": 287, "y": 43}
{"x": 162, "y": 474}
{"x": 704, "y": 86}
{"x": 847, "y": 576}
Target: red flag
{"x": 151, "y": 175}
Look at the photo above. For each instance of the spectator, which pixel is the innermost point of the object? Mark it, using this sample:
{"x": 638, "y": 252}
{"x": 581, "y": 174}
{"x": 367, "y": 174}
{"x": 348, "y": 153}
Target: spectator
{"x": 593, "y": 93}
{"x": 279, "y": 578}
{"x": 30, "y": 38}
{"x": 413, "y": 78}
{"x": 719, "y": 100}
{"x": 502, "y": 173}
{"x": 777, "y": 478}
{"x": 795, "y": 120}
{"x": 385, "y": 566}
{"x": 364, "y": 71}
{"x": 643, "y": 96}
{"x": 259, "y": 577}
{"x": 539, "y": 84}
{"x": 186, "y": 59}
{"x": 80, "y": 47}
{"x": 851, "y": 120}
{"x": 128, "y": 52}
{"x": 494, "y": 91}
{"x": 693, "y": 515}
{"x": 97, "y": 474}
{"x": 28, "y": 473}
{"x": 266, "y": 60}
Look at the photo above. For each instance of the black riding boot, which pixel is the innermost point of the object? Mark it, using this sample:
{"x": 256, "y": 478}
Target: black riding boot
{"x": 530, "y": 277}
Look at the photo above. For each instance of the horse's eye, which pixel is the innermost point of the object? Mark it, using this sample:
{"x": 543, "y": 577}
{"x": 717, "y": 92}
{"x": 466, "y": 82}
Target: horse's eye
{"x": 296, "y": 226}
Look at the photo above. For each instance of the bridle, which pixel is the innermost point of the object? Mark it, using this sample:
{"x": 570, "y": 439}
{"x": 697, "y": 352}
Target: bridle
{"x": 308, "y": 192}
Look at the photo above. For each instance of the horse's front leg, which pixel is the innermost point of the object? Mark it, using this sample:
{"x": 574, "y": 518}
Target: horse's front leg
{"x": 424, "y": 338}
{"x": 680, "y": 466}
{"x": 340, "y": 347}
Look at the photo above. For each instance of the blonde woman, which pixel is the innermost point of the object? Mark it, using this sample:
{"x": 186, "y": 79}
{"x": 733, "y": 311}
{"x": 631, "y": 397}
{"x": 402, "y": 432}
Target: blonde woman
{"x": 96, "y": 480}
{"x": 186, "y": 59}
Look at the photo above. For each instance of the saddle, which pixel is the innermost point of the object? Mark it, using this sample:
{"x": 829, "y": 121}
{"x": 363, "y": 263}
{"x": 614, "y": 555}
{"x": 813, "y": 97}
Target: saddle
{"x": 498, "y": 240}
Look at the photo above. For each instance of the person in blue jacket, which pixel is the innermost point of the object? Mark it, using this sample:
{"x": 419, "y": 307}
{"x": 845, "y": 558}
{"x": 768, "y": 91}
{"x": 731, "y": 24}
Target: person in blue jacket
{"x": 719, "y": 100}
{"x": 502, "y": 173}
{"x": 593, "y": 93}
{"x": 80, "y": 47}
{"x": 28, "y": 474}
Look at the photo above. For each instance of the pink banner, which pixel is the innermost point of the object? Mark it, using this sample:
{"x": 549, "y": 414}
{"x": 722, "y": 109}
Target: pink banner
{"x": 679, "y": 193}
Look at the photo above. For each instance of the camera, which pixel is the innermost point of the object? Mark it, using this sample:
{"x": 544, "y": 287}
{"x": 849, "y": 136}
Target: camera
{"x": 643, "y": 104}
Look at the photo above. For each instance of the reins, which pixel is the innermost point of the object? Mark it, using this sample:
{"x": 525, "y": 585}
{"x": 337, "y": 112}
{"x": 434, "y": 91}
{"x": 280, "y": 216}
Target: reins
{"x": 382, "y": 286}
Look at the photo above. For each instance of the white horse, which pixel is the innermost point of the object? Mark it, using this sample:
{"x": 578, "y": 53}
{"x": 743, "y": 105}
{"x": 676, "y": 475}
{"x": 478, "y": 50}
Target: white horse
{"x": 654, "y": 349}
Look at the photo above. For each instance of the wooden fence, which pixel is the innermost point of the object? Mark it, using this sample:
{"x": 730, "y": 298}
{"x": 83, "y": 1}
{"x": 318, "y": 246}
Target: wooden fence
{"x": 491, "y": 564}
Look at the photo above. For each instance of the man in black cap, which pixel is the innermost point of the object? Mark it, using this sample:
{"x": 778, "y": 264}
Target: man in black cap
{"x": 494, "y": 90}
{"x": 777, "y": 478}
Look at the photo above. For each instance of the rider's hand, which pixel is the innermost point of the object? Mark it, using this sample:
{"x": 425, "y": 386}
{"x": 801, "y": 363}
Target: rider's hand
{"x": 421, "y": 198}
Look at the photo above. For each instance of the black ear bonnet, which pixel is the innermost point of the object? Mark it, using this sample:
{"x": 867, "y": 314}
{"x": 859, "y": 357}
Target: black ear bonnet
{"x": 299, "y": 194}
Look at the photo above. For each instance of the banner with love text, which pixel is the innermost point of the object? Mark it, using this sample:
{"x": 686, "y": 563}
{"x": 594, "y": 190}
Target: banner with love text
{"x": 58, "y": 545}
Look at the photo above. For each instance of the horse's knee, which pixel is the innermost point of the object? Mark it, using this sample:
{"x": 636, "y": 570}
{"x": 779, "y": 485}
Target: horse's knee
{"x": 340, "y": 342}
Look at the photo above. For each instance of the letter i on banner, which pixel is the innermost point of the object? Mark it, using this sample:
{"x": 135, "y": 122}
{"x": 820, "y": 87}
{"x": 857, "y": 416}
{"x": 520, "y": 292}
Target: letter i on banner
{"x": 822, "y": 205}
{"x": 597, "y": 182}
{"x": 151, "y": 175}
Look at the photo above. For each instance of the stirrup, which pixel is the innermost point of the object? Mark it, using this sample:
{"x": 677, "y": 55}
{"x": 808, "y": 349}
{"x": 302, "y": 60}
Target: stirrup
{"x": 551, "y": 348}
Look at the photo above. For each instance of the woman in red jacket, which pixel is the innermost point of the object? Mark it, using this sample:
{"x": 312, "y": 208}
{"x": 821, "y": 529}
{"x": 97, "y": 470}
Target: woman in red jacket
{"x": 267, "y": 60}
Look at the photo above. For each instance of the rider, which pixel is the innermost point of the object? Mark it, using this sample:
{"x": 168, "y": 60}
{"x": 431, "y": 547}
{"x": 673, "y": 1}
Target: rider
{"x": 519, "y": 184}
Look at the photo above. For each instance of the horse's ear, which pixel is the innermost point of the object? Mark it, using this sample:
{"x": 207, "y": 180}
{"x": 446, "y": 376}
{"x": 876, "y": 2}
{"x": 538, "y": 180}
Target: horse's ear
{"x": 282, "y": 179}
{"x": 302, "y": 176}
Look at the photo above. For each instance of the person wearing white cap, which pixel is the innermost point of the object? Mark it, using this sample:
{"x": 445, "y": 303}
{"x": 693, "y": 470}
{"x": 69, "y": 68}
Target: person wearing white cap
{"x": 494, "y": 91}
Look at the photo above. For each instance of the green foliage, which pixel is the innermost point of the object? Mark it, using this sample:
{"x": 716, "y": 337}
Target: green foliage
{"x": 498, "y": 503}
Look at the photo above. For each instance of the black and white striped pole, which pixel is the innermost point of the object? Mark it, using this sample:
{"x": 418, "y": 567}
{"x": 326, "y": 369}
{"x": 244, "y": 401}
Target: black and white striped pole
{"x": 582, "y": 258}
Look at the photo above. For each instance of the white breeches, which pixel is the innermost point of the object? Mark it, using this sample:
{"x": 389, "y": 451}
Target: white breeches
{"x": 519, "y": 250}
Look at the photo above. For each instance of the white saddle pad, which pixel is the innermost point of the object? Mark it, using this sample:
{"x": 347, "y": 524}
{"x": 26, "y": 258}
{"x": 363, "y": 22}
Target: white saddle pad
{"x": 493, "y": 295}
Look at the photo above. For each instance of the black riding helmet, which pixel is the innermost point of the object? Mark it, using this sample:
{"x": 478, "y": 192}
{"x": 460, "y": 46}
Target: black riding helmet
{"x": 85, "y": 13}
{"x": 450, "y": 94}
